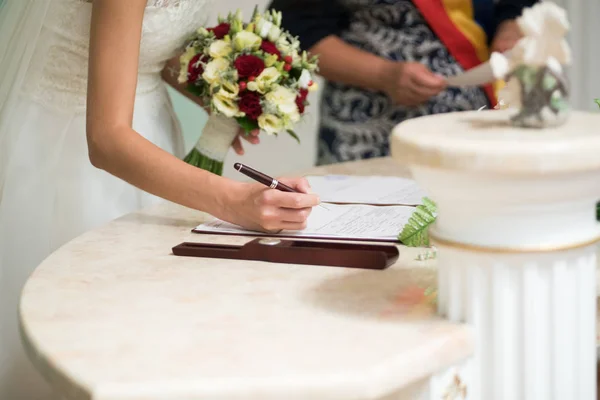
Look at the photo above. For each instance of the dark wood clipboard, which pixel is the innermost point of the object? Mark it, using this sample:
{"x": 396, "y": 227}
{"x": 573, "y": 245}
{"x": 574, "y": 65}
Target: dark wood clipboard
{"x": 347, "y": 255}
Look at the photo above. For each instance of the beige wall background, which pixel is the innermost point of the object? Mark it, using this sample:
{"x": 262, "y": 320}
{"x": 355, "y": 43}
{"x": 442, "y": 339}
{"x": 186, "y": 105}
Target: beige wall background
{"x": 283, "y": 155}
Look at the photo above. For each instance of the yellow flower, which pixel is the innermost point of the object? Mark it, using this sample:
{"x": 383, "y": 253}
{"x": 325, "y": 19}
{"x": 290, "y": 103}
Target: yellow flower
{"x": 270, "y": 123}
{"x": 184, "y": 61}
{"x": 227, "y": 89}
{"x": 282, "y": 99}
{"x": 226, "y": 105}
{"x": 220, "y": 48}
{"x": 271, "y": 59}
{"x": 245, "y": 40}
{"x": 264, "y": 81}
{"x": 214, "y": 69}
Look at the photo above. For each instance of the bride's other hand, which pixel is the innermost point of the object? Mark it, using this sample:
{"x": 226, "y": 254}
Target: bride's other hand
{"x": 257, "y": 207}
{"x": 251, "y": 137}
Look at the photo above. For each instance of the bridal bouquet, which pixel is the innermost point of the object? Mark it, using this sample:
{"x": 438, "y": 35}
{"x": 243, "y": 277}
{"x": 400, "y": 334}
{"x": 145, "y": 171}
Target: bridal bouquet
{"x": 251, "y": 75}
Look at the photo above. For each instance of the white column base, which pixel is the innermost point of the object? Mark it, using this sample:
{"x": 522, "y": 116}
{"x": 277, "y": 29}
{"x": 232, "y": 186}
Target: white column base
{"x": 534, "y": 317}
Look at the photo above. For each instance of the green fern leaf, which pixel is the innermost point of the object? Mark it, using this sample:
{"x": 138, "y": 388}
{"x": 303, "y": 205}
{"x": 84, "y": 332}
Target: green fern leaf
{"x": 416, "y": 232}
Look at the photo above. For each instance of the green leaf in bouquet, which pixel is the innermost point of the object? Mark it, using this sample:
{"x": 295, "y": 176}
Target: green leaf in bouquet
{"x": 196, "y": 90}
{"x": 255, "y": 14}
{"x": 247, "y": 124}
{"x": 416, "y": 231}
{"x": 295, "y": 73}
{"x": 215, "y": 89}
{"x": 597, "y": 102}
{"x": 294, "y": 135}
{"x": 598, "y": 211}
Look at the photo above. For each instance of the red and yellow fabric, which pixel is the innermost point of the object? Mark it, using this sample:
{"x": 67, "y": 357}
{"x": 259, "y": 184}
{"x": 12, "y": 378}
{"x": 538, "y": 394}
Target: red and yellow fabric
{"x": 454, "y": 22}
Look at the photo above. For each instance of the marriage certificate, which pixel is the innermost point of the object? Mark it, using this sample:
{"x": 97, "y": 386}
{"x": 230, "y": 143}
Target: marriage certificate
{"x": 344, "y": 222}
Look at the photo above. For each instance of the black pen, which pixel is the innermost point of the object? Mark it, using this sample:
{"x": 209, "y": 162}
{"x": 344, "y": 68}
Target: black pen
{"x": 265, "y": 179}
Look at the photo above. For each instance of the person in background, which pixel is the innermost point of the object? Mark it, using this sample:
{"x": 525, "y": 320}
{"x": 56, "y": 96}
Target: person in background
{"x": 385, "y": 61}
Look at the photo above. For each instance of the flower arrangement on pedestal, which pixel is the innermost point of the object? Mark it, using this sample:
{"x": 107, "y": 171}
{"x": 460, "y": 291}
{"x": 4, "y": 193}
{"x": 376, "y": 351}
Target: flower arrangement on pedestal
{"x": 250, "y": 75}
{"x": 536, "y": 86}
{"x": 534, "y": 73}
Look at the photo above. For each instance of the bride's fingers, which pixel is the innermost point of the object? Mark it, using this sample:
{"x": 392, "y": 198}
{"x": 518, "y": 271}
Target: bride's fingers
{"x": 251, "y": 139}
{"x": 237, "y": 146}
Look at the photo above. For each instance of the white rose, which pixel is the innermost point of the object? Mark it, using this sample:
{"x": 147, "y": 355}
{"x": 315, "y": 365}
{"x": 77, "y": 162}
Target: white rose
{"x": 219, "y": 49}
{"x": 226, "y": 105}
{"x": 294, "y": 116}
{"x": 214, "y": 69}
{"x": 245, "y": 40}
{"x": 274, "y": 33}
{"x": 270, "y": 123}
{"x": 305, "y": 79}
{"x": 263, "y": 82}
{"x": 282, "y": 99}
{"x": 263, "y": 27}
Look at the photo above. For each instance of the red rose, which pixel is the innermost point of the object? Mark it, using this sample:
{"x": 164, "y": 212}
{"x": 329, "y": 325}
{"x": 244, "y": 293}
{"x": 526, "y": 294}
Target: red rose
{"x": 250, "y": 105}
{"x": 301, "y": 99}
{"x": 195, "y": 67}
{"x": 270, "y": 48}
{"x": 249, "y": 65}
{"x": 220, "y": 30}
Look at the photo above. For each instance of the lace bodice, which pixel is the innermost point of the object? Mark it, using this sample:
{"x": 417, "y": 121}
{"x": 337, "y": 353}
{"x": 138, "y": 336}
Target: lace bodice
{"x": 58, "y": 72}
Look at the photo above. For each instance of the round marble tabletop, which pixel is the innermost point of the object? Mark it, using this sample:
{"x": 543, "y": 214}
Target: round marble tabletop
{"x": 113, "y": 315}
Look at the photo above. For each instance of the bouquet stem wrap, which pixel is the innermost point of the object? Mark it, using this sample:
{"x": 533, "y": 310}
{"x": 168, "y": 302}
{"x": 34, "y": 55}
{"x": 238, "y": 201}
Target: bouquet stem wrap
{"x": 211, "y": 149}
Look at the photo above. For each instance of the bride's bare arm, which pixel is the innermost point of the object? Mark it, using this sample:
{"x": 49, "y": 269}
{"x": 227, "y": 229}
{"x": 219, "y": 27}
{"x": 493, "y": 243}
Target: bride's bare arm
{"x": 115, "y": 147}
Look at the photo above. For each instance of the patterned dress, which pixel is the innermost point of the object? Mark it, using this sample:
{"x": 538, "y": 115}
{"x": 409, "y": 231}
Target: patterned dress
{"x": 444, "y": 35}
{"x": 355, "y": 123}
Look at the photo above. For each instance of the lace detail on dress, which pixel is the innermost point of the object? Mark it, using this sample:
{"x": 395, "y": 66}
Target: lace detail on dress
{"x": 58, "y": 72}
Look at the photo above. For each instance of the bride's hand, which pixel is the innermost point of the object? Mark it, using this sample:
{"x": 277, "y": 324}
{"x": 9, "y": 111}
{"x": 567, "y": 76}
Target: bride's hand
{"x": 257, "y": 207}
{"x": 251, "y": 137}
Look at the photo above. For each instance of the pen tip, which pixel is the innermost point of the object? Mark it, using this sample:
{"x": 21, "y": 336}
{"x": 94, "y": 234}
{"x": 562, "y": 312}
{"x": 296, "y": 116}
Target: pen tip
{"x": 237, "y": 166}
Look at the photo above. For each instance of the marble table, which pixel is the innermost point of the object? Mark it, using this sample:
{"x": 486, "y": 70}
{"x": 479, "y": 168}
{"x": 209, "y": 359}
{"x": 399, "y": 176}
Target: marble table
{"x": 113, "y": 315}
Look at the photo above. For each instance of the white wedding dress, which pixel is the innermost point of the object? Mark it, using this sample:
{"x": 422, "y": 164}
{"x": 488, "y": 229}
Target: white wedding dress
{"x": 49, "y": 191}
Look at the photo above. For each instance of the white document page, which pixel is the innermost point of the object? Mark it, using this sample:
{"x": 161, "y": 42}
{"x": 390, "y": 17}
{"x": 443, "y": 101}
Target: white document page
{"x": 360, "y": 222}
{"x": 376, "y": 190}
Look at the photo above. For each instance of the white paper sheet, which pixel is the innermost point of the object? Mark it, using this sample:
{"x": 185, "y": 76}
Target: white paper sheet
{"x": 360, "y": 222}
{"x": 376, "y": 190}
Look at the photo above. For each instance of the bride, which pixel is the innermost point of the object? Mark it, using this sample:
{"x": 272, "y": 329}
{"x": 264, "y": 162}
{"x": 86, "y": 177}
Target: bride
{"x": 82, "y": 104}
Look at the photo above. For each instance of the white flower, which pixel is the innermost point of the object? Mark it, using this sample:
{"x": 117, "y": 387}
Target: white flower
{"x": 219, "y": 49}
{"x": 226, "y": 105}
{"x": 544, "y": 27}
{"x": 500, "y": 65}
{"x": 283, "y": 99}
{"x": 270, "y": 123}
{"x": 245, "y": 40}
{"x": 263, "y": 27}
{"x": 284, "y": 44}
{"x": 274, "y": 33}
{"x": 263, "y": 82}
{"x": 305, "y": 79}
{"x": 294, "y": 116}
{"x": 214, "y": 69}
